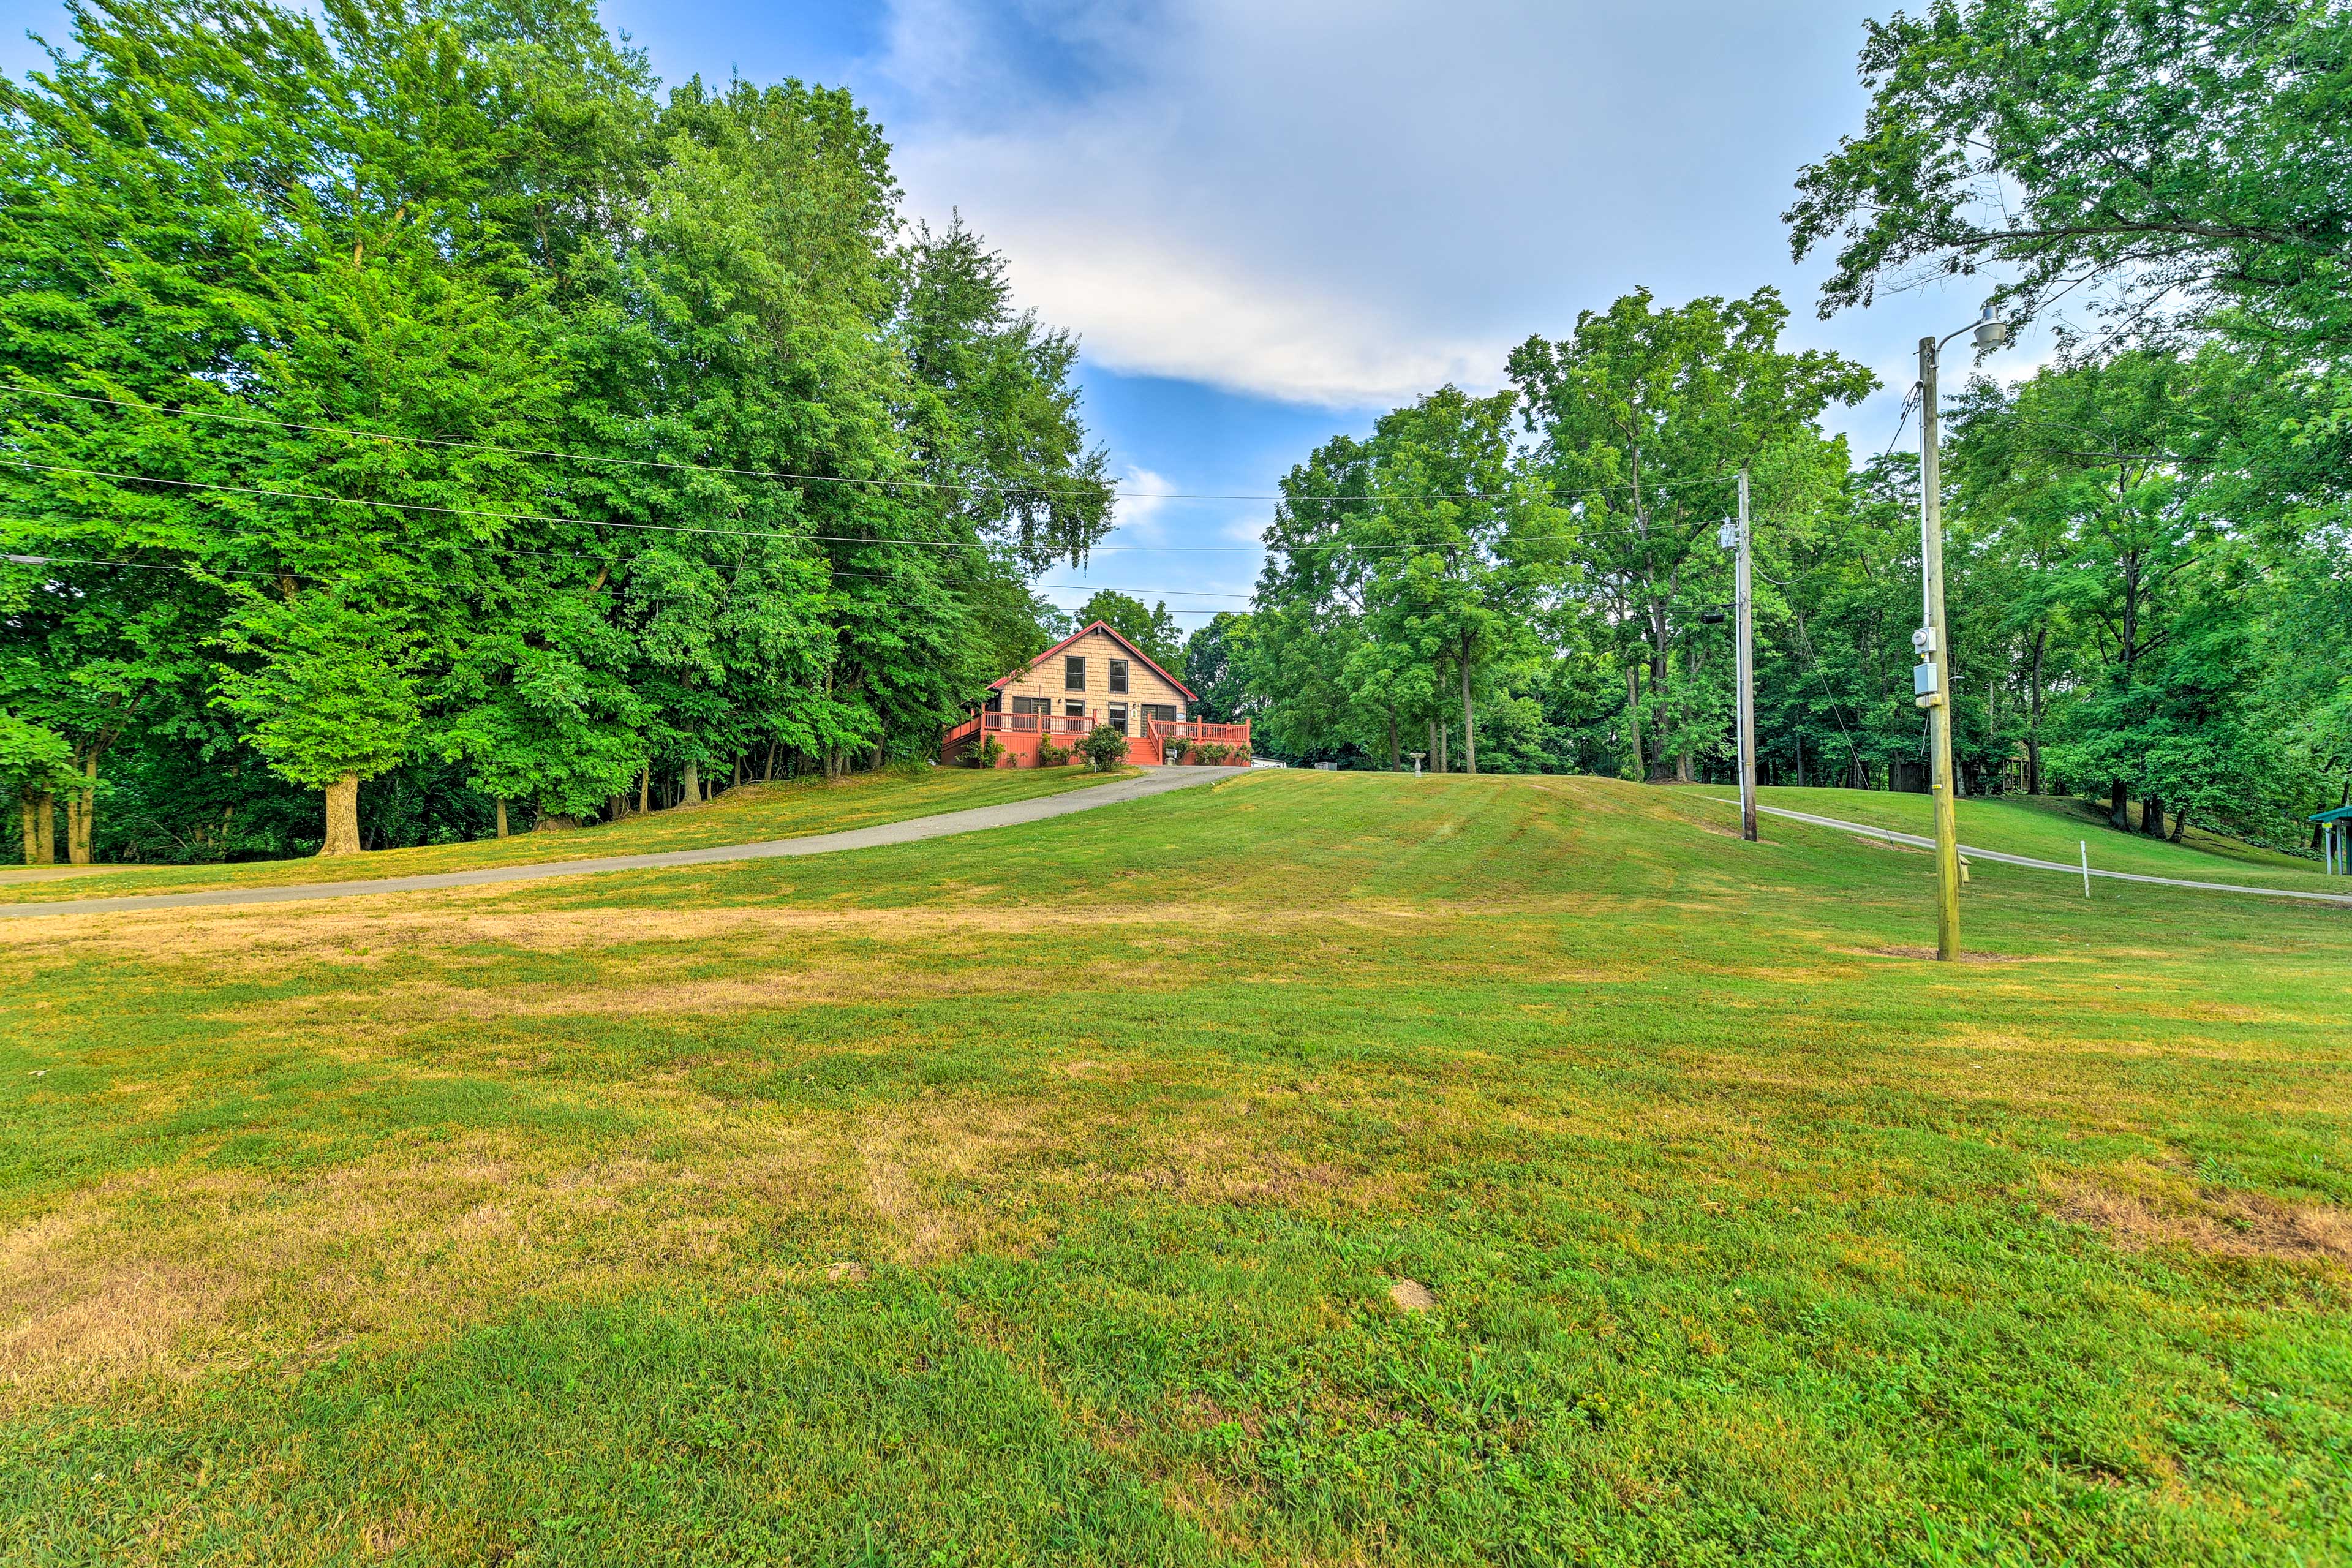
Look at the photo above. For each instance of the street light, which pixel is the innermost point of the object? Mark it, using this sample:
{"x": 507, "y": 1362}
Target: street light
{"x": 1931, "y": 681}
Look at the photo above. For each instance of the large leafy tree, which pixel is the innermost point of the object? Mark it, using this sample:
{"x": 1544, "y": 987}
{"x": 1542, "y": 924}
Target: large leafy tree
{"x": 1154, "y": 630}
{"x": 1644, "y": 418}
{"x": 2185, "y": 154}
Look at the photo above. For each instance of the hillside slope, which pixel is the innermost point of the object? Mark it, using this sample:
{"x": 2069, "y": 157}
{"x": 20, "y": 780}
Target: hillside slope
{"x": 1306, "y": 1168}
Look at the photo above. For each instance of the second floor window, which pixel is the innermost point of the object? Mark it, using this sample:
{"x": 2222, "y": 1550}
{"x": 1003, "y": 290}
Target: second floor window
{"x": 1119, "y": 675}
{"x": 1074, "y": 674}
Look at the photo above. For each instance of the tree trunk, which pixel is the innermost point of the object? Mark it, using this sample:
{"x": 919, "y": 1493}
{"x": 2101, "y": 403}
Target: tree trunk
{"x": 1469, "y": 723}
{"x": 689, "y": 786}
{"x": 1800, "y": 761}
{"x": 45, "y": 809}
{"x": 1444, "y": 733}
{"x": 1434, "y": 766}
{"x": 2151, "y": 816}
{"x": 2032, "y": 764}
{"x": 502, "y": 816}
{"x": 1393, "y": 740}
{"x": 32, "y": 814}
{"x": 768, "y": 775}
{"x": 81, "y": 811}
{"x": 343, "y": 816}
{"x": 1660, "y": 768}
{"x": 2118, "y": 805}
{"x": 1634, "y": 712}
{"x": 645, "y": 788}
{"x": 2179, "y": 824}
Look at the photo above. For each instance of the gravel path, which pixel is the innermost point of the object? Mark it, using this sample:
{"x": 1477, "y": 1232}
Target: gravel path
{"x": 2060, "y": 866}
{"x": 1010, "y": 813}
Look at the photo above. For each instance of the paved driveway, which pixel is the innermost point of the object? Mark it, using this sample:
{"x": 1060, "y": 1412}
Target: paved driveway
{"x": 1011, "y": 813}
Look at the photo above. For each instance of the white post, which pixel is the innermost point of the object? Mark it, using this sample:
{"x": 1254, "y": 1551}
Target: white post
{"x": 1745, "y": 641}
{"x": 2086, "y": 866}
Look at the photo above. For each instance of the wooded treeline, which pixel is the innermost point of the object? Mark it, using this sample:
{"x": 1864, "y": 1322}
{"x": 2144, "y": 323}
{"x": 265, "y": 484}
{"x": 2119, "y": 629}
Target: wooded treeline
{"x": 417, "y": 399}
{"x": 2148, "y": 560}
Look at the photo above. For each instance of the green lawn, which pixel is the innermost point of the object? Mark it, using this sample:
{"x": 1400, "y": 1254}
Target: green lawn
{"x": 742, "y": 815}
{"x": 1039, "y": 1196}
{"x": 2052, "y": 828}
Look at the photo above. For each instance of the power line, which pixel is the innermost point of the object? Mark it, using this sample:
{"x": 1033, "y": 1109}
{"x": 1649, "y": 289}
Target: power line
{"x": 266, "y": 493}
{"x": 21, "y": 388}
{"x": 189, "y": 567}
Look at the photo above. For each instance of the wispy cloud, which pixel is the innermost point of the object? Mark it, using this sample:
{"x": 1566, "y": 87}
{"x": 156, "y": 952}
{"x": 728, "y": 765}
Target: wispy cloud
{"x": 1344, "y": 205}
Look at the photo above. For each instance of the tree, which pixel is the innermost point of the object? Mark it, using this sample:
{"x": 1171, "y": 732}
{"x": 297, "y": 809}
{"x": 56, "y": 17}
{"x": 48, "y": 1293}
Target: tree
{"x": 1154, "y": 630}
{"x": 35, "y": 763}
{"x": 1644, "y": 418}
{"x": 1215, "y": 657}
{"x": 2186, "y": 154}
{"x": 327, "y": 695}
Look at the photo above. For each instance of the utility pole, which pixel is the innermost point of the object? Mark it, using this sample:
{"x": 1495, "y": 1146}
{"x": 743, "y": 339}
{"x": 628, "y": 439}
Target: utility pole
{"x": 1746, "y": 640}
{"x": 1933, "y": 678}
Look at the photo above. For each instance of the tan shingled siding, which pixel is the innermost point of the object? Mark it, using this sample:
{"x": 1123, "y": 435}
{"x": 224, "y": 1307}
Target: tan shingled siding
{"x": 1098, "y": 650}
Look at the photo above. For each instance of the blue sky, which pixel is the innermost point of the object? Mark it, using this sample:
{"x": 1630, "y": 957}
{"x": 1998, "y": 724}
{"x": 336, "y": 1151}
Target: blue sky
{"x": 1270, "y": 220}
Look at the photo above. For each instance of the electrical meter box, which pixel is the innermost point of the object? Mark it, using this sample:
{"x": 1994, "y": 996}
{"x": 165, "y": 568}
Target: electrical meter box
{"x": 1923, "y": 641}
{"x": 1923, "y": 682}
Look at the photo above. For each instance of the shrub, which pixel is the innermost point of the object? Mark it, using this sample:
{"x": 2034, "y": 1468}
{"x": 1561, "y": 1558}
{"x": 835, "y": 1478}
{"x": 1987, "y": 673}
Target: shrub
{"x": 1211, "y": 754}
{"x": 1050, "y": 755}
{"x": 1105, "y": 748}
{"x": 987, "y": 755}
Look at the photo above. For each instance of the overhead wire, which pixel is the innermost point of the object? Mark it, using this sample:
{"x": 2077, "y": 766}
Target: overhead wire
{"x": 266, "y": 492}
{"x": 21, "y": 388}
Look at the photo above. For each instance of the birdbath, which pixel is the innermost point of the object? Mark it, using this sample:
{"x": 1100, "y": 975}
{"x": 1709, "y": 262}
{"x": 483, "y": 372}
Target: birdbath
{"x": 1416, "y": 763}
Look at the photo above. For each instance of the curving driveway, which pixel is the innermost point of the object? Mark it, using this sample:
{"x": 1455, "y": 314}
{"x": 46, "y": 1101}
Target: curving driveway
{"x": 2031, "y": 863}
{"x": 1010, "y": 813}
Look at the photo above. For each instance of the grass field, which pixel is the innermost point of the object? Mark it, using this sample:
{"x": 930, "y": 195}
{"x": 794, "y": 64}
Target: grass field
{"x": 1309, "y": 1168}
{"x": 742, "y": 815}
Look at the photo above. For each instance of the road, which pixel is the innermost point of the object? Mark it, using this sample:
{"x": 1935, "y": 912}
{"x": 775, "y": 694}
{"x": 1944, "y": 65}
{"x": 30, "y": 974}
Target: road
{"x": 979, "y": 818}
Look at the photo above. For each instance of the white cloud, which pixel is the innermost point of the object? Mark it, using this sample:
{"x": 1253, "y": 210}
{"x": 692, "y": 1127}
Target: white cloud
{"x": 1344, "y": 205}
{"x": 1143, "y": 499}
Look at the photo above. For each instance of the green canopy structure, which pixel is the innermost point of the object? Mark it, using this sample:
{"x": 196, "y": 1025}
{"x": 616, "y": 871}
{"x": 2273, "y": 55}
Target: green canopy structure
{"x": 2336, "y": 837}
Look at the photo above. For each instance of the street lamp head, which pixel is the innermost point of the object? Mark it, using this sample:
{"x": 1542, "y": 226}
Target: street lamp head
{"x": 1992, "y": 332}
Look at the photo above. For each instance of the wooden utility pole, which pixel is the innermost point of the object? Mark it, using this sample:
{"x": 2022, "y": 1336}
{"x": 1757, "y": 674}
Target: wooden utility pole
{"x": 1934, "y": 682}
{"x": 1745, "y": 641}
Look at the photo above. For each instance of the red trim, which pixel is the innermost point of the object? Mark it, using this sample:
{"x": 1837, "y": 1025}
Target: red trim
{"x": 1114, "y": 637}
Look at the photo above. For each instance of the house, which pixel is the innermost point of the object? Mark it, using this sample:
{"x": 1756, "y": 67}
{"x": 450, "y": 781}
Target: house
{"x": 1095, "y": 676}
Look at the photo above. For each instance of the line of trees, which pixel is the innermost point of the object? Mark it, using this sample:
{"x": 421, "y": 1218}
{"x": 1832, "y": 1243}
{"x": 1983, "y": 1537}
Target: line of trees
{"x": 2150, "y": 555}
{"x": 414, "y": 403}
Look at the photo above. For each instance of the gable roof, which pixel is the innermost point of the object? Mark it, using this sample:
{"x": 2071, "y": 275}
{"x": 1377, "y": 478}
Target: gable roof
{"x": 1115, "y": 635}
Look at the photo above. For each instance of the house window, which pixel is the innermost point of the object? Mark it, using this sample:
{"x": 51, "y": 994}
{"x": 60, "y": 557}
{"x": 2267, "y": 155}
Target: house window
{"x": 1119, "y": 675}
{"x": 1164, "y": 712}
{"x": 1118, "y": 717}
{"x": 1032, "y": 705}
{"x": 1074, "y": 710}
{"x": 1074, "y": 673}
{"x": 996, "y": 702}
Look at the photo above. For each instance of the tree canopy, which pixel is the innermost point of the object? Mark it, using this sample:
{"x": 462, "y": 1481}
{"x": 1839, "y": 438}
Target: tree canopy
{"x": 425, "y": 392}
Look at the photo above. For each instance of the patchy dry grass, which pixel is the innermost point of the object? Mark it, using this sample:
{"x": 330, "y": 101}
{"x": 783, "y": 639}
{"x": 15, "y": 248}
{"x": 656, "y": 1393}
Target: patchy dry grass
{"x": 1311, "y": 1168}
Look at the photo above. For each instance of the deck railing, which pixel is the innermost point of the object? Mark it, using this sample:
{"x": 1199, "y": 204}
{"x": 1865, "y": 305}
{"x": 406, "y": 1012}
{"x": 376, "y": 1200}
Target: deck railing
{"x": 1078, "y": 725}
{"x": 1196, "y": 729}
